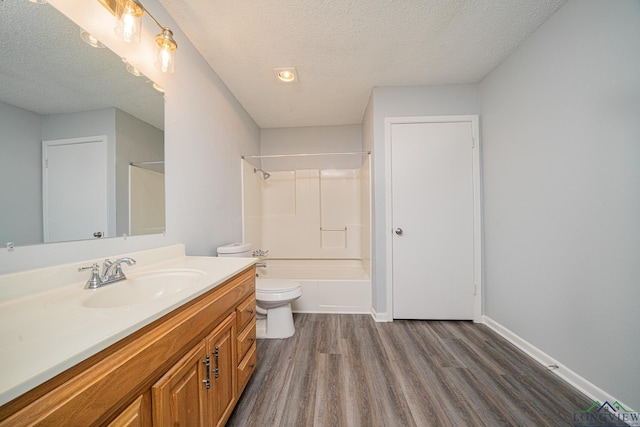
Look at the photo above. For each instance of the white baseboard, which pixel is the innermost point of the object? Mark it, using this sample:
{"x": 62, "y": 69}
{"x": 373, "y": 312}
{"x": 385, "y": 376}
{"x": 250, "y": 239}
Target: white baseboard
{"x": 582, "y": 384}
{"x": 381, "y": 317}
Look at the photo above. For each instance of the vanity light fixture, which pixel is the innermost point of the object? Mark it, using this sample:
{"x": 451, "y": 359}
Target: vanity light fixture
{"x": 286, "y": 75}
{"x": 91, "y": 40}
{"x": 166, "y": 51}
{"x": 129, "y": 14}
{"x": 38, "y": 1}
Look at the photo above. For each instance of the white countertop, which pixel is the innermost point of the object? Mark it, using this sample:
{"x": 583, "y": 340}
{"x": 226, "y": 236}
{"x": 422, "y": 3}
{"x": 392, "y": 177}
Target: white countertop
{"x": 43, "y": 333}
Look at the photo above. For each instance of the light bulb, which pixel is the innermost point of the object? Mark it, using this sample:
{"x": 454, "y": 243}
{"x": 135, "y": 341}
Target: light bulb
{"x": 165, "y": 51}
{"x": 129, "y": 16}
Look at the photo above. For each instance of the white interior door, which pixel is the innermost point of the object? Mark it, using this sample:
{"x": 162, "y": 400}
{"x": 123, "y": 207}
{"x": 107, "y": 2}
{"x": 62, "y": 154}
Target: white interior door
{"x": 433, "y": 220}
{"x": 75, "y": 189}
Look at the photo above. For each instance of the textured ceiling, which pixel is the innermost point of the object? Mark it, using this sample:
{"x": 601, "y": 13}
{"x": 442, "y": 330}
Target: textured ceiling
{"x": 46, "y": 68}
{"x": 344, "y": 48}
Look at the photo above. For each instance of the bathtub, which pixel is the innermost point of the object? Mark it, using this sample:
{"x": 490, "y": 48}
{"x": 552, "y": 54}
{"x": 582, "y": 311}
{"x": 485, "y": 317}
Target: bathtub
{"x": 328, "y": 286}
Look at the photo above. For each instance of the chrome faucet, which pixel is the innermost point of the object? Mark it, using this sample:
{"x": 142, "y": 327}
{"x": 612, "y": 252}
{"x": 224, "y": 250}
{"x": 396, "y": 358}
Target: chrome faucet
{"x": 260, "y": 253}
{"x": 112, "y": 272}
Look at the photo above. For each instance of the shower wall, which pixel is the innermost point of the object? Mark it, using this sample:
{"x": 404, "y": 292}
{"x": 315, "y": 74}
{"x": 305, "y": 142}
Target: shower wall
{"x": 309, "y": 213}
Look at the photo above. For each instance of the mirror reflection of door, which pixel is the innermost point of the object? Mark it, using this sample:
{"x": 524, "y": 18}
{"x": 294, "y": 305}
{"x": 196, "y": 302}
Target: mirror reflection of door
{"x": 75, "y": 200}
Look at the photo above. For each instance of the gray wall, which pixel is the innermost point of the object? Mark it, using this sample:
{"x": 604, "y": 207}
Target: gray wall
{"x": 312, "y": 139}
{"x": 20, "y": 176}
{"x": 561, "y": 147}
{"x": 136, "y": 141}
{"x": 402, "y": 102}
{"x": 21, "y": 160}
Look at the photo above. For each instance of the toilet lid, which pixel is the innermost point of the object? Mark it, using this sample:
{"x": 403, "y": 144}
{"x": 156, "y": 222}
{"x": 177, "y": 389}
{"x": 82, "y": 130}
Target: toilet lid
{"x": 276, "y": 285}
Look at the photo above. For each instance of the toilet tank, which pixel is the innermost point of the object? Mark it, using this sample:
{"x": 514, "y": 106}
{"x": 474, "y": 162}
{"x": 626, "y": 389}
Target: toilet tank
{"x": 235, "y": 249}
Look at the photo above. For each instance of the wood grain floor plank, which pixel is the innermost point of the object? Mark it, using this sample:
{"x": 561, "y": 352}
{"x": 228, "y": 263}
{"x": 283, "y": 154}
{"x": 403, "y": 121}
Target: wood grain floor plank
{"x": 347, "y": 370}
{"x": 489, "y": 379}
{"x": 431, "y": 397}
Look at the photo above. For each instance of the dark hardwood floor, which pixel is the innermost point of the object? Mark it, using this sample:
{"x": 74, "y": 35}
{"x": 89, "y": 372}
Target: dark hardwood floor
{"x": 347, "y": 370}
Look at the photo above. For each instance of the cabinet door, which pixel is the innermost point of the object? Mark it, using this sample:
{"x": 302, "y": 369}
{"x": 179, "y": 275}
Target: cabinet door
{"x": 138, "y": 414}
{"x": 222, "y": 348}
{"x": 179, "y": 397}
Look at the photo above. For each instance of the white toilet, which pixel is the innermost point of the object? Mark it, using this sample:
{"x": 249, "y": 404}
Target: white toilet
{"x": 273, "y": 298}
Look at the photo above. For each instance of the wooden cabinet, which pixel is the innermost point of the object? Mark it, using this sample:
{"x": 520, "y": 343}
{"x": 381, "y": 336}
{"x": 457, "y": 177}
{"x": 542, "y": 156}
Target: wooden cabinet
{"x": 180, "y": 398}
{"x": 246, "y": 352}
{"x": 199, "y": 390}
{"x": 138, "y": 414}
{"x": 221, "y": 347}
{"x": 158, "y": 374}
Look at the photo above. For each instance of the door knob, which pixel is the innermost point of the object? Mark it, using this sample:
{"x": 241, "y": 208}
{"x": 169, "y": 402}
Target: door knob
{"x": 97, "y": 234}
{"x": 399, "y": 231}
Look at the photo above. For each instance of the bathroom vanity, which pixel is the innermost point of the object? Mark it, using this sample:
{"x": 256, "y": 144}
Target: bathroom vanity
{"x": 181, "y": 358}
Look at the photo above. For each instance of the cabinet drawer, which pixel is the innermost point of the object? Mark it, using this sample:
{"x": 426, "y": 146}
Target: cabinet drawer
{"x": 246, "y": 311}
{"x": 246, "y": 368}
{"x": 246, "y": 339}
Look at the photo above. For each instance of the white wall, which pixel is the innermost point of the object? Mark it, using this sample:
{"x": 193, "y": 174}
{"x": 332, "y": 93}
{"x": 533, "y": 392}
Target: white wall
{"x": 251, "y": 206}
{"x": 561, "y": 146}
{"x": 402, "y": 102}
{"x": 205, "y": 130}
{"x": 313, "y": 214}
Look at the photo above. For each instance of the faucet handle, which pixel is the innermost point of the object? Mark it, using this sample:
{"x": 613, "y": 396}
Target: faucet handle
{"x": 94, "y": 281}
{"x": 94, "y": 267}
{"x": 260, "y": 252}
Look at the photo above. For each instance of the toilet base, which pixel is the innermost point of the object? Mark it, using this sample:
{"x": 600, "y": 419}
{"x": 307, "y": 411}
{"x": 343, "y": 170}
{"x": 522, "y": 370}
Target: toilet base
{"x": 278, "y": 323}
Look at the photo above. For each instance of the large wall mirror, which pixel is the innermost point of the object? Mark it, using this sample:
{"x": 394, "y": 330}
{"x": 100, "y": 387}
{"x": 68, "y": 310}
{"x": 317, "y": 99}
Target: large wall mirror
{"x": 81, "y": 136}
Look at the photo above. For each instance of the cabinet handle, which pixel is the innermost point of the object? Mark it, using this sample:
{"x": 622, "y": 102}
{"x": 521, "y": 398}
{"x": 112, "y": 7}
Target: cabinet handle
{"x": 252, "y": 339}
{"x": 252, "y": 365}
{"x": 250, "y": 311}
{"x": 207, "y": 381}
{"x": 216, "y": 372}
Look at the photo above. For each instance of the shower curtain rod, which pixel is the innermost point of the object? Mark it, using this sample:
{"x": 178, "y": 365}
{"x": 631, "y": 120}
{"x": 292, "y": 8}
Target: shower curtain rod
{"x": 273, "y": 156}
{"x": 157, "y": 162}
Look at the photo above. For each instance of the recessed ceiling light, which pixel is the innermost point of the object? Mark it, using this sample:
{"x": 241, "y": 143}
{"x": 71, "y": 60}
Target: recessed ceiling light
{"x": 286, "y": 75}
{"x": 91, "y": 40}
{"x": 131, "y": 69}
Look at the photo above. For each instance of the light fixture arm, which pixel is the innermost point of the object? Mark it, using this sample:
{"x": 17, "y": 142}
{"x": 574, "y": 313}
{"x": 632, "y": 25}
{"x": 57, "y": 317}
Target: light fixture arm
{"x": 148, "y": 13}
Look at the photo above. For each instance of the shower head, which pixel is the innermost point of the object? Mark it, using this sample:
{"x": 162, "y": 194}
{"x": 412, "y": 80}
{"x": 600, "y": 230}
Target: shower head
{"x": 265, "y": 175}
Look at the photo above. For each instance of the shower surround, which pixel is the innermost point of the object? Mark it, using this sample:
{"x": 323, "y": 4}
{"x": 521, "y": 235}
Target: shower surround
{"x": 316, "y": 225}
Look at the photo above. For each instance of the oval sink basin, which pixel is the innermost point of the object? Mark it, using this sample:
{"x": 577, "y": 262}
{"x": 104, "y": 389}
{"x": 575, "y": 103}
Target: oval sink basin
{"x": 142, "y": 288}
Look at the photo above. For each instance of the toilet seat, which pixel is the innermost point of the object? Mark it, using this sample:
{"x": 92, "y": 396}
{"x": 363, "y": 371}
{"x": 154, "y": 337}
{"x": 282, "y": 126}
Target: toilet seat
{"x": 276, "y": 285}
{"x": 277, "y": 290}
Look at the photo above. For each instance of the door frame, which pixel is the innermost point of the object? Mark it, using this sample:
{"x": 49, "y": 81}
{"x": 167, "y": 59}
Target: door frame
{"x": 477, "y": 207}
